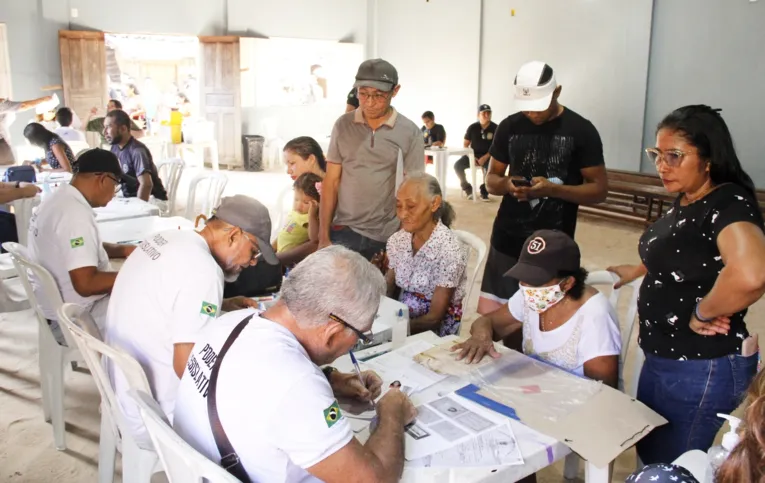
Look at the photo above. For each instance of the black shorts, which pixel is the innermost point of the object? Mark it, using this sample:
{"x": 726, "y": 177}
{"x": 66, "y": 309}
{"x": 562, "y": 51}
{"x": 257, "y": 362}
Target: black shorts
{"x": 495, "y": 286}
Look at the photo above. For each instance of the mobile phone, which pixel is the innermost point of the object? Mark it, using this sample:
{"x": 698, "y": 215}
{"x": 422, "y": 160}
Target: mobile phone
{"x": 521, "y": 182}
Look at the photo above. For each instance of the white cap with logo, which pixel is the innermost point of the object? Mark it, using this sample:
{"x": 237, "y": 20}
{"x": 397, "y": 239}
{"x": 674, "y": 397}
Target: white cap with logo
{"x": 534, "y": 86}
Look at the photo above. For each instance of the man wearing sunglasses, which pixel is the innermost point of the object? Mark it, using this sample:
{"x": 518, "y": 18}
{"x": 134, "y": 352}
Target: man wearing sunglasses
{"x": 278, "y": 410}
{"x": 172, "y": 285}
{"x": 358, "y": 200}
{"x": 63, "y": 236}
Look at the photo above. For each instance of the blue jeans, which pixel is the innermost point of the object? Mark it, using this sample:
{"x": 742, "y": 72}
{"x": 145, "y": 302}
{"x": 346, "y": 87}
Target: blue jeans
{"x": 689, "y": 394}
{"x": 351, "y": 240}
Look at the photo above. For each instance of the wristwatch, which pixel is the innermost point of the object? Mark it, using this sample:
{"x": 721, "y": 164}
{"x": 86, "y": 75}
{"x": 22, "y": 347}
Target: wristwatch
{"x": 328, "y": 372}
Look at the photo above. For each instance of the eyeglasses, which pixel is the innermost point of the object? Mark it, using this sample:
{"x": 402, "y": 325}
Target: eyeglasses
{"x": 673, "y": 157}
{"x": 258, "y": 253}
{"x": 366, "y": 338}
{"x": 363, "y": 96}
{"x": 117, "y": 184}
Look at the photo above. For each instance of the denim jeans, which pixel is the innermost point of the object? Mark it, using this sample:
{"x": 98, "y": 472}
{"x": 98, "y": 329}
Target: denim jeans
{"x": 689, "y": 394}
{"x": 366, "y": 247}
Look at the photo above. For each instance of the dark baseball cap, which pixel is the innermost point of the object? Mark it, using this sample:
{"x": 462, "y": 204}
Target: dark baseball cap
{"x": 251, "y": 216}
{"x": 484, "y": 108}
{"x": 378, "y": 74}
{"x": 544, "y": 255}
{"x": 98, "y": 160}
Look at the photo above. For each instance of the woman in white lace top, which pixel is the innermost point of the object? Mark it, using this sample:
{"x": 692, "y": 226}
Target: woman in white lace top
{"x": 564, "y": 321}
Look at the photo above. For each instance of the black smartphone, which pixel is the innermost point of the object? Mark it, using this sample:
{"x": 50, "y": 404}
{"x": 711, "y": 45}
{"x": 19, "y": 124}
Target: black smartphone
{"x": 521, "y": 182}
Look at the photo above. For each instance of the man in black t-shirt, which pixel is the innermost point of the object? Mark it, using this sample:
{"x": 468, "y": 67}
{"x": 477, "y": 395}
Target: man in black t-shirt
{"x": 546, "y": 160}
{"x": 433, "y": 134}
{"x": 479, "y": 136}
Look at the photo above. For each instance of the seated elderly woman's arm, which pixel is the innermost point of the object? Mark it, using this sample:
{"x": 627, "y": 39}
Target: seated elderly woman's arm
{"x": 439, "y": 305}
{"x": 493, "y": 326}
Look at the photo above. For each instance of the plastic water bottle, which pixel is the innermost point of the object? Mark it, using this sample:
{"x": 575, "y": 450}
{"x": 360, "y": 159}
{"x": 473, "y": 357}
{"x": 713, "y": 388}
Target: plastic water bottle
{"x": 400, "y": 330}
{"x": 717, "y": 455}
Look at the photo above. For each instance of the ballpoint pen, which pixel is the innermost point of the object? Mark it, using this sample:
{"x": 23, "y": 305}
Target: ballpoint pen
{"x": 358, "y": 372}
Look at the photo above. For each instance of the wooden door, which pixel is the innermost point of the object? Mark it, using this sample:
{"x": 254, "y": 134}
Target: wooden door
{"x": 219, "y": 90}
{"x": 83, "y": 71}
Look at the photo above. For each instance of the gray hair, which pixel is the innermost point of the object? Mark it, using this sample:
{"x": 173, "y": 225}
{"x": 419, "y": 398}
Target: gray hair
{"x": 336, "y": 281}
{"x": 429, "y": 184}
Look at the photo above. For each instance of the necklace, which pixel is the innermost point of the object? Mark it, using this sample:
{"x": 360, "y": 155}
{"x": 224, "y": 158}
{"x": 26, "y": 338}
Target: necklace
{"x": 705, "y": 192}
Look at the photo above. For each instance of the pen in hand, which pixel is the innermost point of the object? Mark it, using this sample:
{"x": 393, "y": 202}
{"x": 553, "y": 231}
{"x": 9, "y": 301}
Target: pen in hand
{"x": 358, "y": 372}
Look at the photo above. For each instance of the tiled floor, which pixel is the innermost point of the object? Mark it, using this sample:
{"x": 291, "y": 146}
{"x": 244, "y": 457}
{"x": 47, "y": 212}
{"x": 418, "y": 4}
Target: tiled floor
{"x": 26, "y": 448}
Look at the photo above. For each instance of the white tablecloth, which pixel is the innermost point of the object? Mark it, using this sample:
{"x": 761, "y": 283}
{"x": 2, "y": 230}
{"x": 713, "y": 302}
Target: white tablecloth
{"x": 138, "y": 229}
{"x": 125, "y": 208}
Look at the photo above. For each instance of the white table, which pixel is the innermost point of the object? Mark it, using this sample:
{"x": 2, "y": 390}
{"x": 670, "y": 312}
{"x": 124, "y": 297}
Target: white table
{"x": 441, "y": 161}
{"x": 212, "y": 145}
{"x": 538, "y": 450}
{"x": 138, "y": 229}
{"x": 124, "y": 209}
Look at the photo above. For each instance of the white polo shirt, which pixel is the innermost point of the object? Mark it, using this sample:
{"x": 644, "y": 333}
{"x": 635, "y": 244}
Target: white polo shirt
{"x": 63, "y": 236}
{"x": 166, "y": 291}
{"x": 274, "y": 403}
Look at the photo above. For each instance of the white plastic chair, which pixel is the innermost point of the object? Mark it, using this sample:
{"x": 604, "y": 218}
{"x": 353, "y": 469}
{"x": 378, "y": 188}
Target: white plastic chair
{"x": 210, "y": 187}
{"x": 77, "y": 147}
{"x": 13, "y": 297}
{"x": 169, "y": 172}
{"x": 182, "y": 463}
{"x": 606, "y": 278}
{"x": 473, "y": 244}
{"x": 157, "y": 147}
{"x": 281, "y": 210}
{"x": 23, "y": 209}
{"x": 138, "y": 464}
{"x": 53, "y": 357}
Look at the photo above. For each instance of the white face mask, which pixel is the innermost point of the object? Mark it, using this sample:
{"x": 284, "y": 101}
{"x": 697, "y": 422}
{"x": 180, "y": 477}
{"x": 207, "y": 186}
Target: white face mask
{"x": 540, "y": 299}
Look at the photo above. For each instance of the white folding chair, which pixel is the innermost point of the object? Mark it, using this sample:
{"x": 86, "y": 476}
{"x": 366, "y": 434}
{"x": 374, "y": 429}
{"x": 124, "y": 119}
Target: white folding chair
{"x": 473, "y": 244}
{"x": 157, "y": 147}
{"x": 182, "y": 463}
{"x": 169, "y": 172}
{"x": 23, "y": 209}
{"x": 281, "y": 210}
{"x": 13, "y": 297}
{"x": 53, "y": 357}
{"x": 138, "y": 464}
{"x": 629, "y": 322}
{"x": 78, "y": 147}
{"x": 210, "y": 187}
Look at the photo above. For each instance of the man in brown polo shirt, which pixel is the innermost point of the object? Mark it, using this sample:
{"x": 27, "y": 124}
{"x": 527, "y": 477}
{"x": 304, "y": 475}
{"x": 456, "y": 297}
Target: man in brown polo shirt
{"x": 358, "y": 201}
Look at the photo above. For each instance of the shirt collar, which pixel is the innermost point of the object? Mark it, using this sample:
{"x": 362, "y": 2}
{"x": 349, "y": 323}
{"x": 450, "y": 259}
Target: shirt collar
{"x": 127, "y": 144}
{"x": 358, "y": 117}
{"x": 76, "y": 194}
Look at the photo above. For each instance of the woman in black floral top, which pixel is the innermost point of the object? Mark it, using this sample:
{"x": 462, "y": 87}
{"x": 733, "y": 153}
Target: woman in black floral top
{"x": 58, "y": 154}
{"x": 704, "y": 265}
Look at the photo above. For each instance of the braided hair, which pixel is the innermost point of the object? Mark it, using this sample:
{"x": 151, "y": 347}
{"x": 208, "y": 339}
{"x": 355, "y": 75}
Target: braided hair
{"x": 704, "y": 128}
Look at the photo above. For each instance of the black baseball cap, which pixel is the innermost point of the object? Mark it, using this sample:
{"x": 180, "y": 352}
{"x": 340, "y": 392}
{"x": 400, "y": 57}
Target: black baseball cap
{"x": 546, "y": 253}
{"x": 484, "y": 108}
{"x": 99, "y": 160}
{"x": 378, "y": 74}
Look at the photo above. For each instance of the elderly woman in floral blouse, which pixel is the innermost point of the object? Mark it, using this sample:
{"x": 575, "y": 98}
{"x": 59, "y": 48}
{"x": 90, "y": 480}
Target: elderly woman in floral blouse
{"x": 426, "y": 263}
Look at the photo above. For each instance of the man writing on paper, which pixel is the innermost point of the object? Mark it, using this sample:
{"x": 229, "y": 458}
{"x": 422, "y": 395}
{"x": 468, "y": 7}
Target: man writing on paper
{"x": 546, "y": 160}
{"x": 172, "y": 286}
{"x": 64, "y": 237}
{"x": 278, "y": 411}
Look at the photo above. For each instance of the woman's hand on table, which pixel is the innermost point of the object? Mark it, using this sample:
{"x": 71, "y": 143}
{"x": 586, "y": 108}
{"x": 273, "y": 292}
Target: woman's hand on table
{"x": 474, "y": 349}
{"x": 348, "y": 385}
{"x": 720, "y": 325}
{"x": 626, "y": 273}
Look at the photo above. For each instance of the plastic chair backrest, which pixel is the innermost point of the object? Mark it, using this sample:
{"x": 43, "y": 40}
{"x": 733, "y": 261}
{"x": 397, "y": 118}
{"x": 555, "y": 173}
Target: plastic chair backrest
{"x": 77, "y": 147}
{"x": 182, "y": 463}
{"x": 42, "y": 278}
{"x": 169, "y": 172}
{"x": 23, "y": 209}
{"x": 628, "y": 322}
{"x": 473, "y": 244}
{"x": 212, "y": 187}
{"x": 96, "y": 352}
{"x": 281, "y": 210}
{"x": 157, "y": 147}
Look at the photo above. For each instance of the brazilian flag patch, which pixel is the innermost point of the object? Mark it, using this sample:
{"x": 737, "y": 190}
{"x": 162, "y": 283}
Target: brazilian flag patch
{"x": 209, "y": 309}
{"x": 332, "y": 414}
{"x": 76, "y": 242}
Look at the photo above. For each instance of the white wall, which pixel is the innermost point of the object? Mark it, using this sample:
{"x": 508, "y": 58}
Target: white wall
{"x": 434, "y": 46}
{"x": 599, "y": 50}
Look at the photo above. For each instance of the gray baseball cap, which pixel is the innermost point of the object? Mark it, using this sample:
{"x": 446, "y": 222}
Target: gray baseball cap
{"x": 378, "y": 74}
{"x": 251, "y": 216}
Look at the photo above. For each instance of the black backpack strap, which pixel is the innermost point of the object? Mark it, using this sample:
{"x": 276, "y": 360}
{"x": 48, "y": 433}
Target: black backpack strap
{"x": 229, "y": 459}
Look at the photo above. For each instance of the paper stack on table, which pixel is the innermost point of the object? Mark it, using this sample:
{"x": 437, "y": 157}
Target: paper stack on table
{"x": 497, "y": 447}
{"x": 442, "y": 360}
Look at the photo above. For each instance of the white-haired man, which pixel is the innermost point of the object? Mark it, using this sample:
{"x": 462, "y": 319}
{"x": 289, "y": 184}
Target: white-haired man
{"x": 256, "y": 381}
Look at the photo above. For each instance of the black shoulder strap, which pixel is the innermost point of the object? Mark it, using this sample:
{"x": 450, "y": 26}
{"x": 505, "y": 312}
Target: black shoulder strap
{"x": 229, "y": 459}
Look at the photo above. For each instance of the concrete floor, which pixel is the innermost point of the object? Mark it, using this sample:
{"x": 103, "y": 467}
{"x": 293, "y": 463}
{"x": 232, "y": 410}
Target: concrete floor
{"x": 26, "y": 441}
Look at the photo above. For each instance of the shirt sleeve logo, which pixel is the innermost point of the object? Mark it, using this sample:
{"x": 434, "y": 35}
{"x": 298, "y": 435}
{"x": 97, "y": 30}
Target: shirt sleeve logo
{"x": 332, "y": 414}
{"x": 209, "y": 309}
{"x": 76, "y": 242}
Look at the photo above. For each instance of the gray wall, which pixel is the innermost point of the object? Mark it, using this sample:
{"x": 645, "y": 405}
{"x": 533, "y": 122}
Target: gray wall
{"x": 711, "y": 52}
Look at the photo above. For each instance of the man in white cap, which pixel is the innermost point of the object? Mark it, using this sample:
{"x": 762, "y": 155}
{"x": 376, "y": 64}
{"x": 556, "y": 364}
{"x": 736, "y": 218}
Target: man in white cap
{"x": 358, "y": 201}
{"x": 546, "y": 160}
{"x": 171, "y": 286}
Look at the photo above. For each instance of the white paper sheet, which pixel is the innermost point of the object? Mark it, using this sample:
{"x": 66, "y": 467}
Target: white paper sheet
{"x": 399, "y": 366}
{"x": 497, "y": 447}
